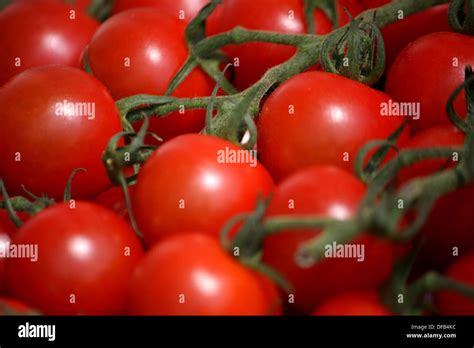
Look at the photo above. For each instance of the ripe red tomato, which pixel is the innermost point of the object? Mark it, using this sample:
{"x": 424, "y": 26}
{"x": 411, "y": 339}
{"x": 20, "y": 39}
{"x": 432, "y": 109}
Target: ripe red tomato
{"x": 341, "y": 117}
{"x": 190, "y": 274}
{"x": 4, "y": 243}
{"x": 86, "y": 255}
{"x": 332, "y": 192}
{"x": 10, "y": 306}
{"x": 398, "y": 35}
{"x": 184, "y": 10}
{"x": 284, "y": 16}
{"x": 153, "y": 52}
{"x": 7, "y": 225}
{"x": 114, "y": 199}
{"x": 449, "y": 224}
{"x": 433, "y": 80}
{"x": 54, "y": 133}
{"x": 193, "y": 183}
{"x": 361, "y": 303}
{"x": 451, "y": 303}
{"x": 37, "y": 34}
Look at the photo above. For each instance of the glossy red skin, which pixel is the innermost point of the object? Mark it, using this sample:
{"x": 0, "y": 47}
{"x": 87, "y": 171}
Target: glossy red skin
{"x": 451, "y": 303}
{"x": 81, "y": 251}
{"x": 114, "y": 199}
{"x": 52, "y": 146}
{"x": 450, "y": 224}
{"x": 170, "y": 7}
{"x": 332, "y": 192}
{"x": 432, "y": 84}
{"x": 196, "y": 266}
{"x": 364, "y": 303}
{"x": 10, "y": 306}
{"x": 343, "y": 115}
{"x": 398, "y": 35}
{"x": 187, "y": 168}
{"x": 7, "y": 225}
{"x": 156, "y": 47}
{"x": 4, "y": 239}
{"x": 41, "y": 34}
{"x": 256, "y": 58}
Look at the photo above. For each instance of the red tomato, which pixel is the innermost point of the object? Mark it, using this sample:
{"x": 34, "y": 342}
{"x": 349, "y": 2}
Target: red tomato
{"x": 139, "y": 52}
{"x": 450, "y": 224}
{"x": 4, "y": 243}
{"x": 184, "y": 10}
{"x": 284, "y": 16}
{"x": 398, "y": 35}
{"x": 7, "y": 225}
{"x": 332, "y": 192}
{"x": 51, "y": 136}
{"x": 340, "y": 118}
{"x": 452, "y": 303}
{"x": 433, "y": 83}
{"x": 86, "y": 255}
{"x": 190, "y": 274}
{"x": 362, "y": 303}
{"x": 37, "y": 34}
{"x": 114, "y": 199}
{"x": 10, "y": 306}
{"x": 192, "y": 183}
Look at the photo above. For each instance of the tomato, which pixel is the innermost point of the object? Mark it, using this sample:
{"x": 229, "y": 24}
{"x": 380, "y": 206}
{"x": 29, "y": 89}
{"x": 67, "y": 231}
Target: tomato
{"x": 139, "y": 52}
{"x": 86, "y": 255}
{"x": 37, "y": 34}
{"x": 192, "y": 182}
{"x": 398, "y": 35}
{"x": 354, "y": 303}
{"x": 452, "y": 303}
{"x": 55, "y": 120}
{"x": 449, "y": 224}
{"x": 6, "y": 224}
{"x": 432, "y": 81}
{"x": 323, "y": 191}
{"x": 114, "y": 199}
{"x": 10, "y": 306}
{"x": 190, "y": 274}
{"x": 184, "y": 10}
{"x": 284, "y": 16}
{"x": 343, "y": 115}
{"x": 4, "y": 242}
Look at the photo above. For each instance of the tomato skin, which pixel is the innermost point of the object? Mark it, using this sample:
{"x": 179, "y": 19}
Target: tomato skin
{"x": 451, "y": 303}
{"x": 343, "y": 115}
{"x": 338, "y": 196}
{"x": 4, "y": 240}
{"x": 196, "y": 266}
{"x": 64, "y": 143}
{"x": 114, "y": 199}
{"x": 364, "y": 303}
{"x": 156, "y": 50}
{"x": 170, "y": 7}
{"x": 183, "y": 186}
{"x": 256, "y": 58}
{"x": 399, "y": 34}
{"x": 449, "y": 224}
{"x": 41, "y": 34}
{"x": 10, "y": 306}
{"x": 81, "y": 251}
{"x": 432, "y": 85}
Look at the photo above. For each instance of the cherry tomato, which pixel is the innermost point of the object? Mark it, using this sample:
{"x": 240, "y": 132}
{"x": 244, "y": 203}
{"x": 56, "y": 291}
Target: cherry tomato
{"x": 85, "y": 256}
{"x": 7, "y": 225}
{"x": 449, "y": 224}
{"x": 10, "y": 306}
{"x": 432, "y": 81}
{"x": 138, "y": 52}
{"x": 4, "y": 243}
{"x": 184, "y": 10}
{"x": 341, "y": 117}
{"x": 114, "y": 199}
{"x": 55, "y": 120}
{"x": 332, "y": 192}
{"x": 284, "y": 16}
{"x": 452, "y": 303}
{"x": 364, "y": 303}
{"x": 399, "y": 34}
{"x": 190, "y": 274}
{"x": 37, "y": 34}
{"x": 193, "y": 182}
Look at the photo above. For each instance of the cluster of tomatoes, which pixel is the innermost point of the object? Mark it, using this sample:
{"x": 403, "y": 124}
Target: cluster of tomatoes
{"x": 55, "y": 118}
